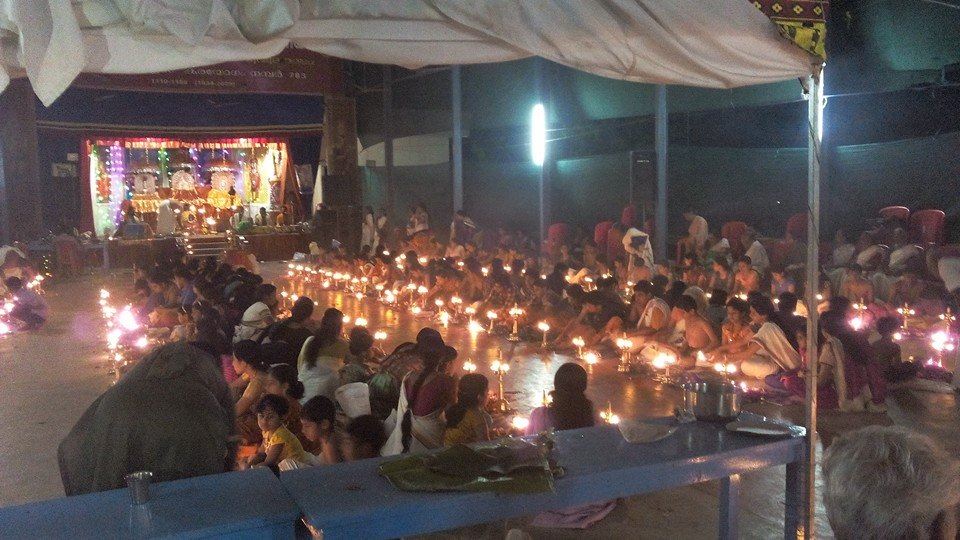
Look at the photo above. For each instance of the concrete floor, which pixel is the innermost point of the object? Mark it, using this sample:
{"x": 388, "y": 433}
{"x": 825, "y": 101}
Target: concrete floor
{"x": 51, "y": 376}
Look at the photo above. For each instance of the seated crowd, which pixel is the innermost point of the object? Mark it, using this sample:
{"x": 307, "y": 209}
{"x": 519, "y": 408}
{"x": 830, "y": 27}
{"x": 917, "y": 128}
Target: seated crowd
{"x": 306, "y": 393}
{"x": 733, "y": 301}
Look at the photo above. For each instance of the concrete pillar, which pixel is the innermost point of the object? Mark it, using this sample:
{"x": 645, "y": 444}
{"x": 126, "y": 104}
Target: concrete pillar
{"x": 21, "y": 213}
{"x": 457, "y": 136}
{"x": 388, "y": 137}
{"x": 660, "y": 141}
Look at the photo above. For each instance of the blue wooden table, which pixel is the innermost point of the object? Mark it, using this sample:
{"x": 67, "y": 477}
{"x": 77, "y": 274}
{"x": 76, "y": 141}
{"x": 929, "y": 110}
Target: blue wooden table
{"x": 247, "y": 504}
{"x": 352, "y": 501}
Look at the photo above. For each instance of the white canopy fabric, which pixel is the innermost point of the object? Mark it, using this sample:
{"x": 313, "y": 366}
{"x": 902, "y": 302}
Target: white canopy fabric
{"x": 718, "y": 43}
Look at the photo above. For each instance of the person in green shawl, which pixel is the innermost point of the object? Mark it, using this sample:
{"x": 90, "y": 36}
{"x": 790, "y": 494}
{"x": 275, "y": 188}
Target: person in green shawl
{"x": 172, "y": 414}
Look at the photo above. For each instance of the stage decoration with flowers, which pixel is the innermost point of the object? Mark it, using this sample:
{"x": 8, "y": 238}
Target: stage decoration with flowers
{"x": 139, "y": 174}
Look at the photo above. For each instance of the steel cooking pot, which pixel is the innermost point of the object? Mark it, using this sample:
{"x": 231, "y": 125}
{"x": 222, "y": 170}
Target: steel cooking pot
{"x": 712, "y": 401}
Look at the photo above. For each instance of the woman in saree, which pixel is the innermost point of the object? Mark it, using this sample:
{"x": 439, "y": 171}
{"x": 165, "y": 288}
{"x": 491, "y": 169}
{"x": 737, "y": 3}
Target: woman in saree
{"x": 852, "y": 378}
{"x": 424, "y": 395}
{"x": 321, "y": 358}
{"x": 770, "y": 351}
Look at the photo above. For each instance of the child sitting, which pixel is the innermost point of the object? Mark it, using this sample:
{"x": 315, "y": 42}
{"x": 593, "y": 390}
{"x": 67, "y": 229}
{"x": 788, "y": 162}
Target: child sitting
{"x": 467, "y": 422}
{"x": 780, "y": 282}
{"x": 570, "y": 408}
{"x": 887, "y": 353}
{"x": 317, "y": 419}
{"x": 185, "y": 330}
{"x": 29, "y": 309}
{"x": 279, "y": 443}
{"x": 364, "y": 438}
{"x": 361, "y": 353}
{"x": 282, "y": 381}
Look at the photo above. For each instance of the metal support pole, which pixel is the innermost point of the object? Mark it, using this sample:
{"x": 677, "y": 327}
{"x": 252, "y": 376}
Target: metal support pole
{"x": 793, "y": 501}
{"x": 729, "y": 507}
{"x": 814, "y": 129}
{"x": 388, "y": 137}
{"x": 660, "y": 137}
{"x": 457, "y": 138}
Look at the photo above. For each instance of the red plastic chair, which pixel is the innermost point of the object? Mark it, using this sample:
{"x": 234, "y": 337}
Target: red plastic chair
{"x": 777, "y": 253}
{"x": 926, "y": 226}
{"x": 68, "y": 255}
{"x": 600, "y": 232}
{"x": 901, "y": 213}
{"x": 732, "y": 231}
{"x": 797, "y": 226}
{"x": 614, "y": 244}
{"x": 628, "y": 216}
{"x": 557, "y": 234}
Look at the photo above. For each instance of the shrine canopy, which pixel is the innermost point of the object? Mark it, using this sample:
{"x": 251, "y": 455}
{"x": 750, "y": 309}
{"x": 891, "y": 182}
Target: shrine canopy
{"x": 719, "y": 44}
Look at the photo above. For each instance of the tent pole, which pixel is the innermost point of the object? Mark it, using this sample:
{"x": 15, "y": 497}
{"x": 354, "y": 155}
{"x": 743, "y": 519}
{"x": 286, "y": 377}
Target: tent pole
{"x": 660, "y": 140}
{"x": 457, "y": 136}
{"x": 815, "y": 122}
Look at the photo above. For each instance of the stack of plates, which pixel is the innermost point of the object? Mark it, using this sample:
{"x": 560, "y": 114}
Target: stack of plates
{"x": 642, "y": 432}
{"x": 766, "y": 428}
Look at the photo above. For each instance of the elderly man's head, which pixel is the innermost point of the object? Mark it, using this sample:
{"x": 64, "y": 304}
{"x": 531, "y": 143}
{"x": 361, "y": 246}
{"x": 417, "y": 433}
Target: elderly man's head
{"x": 890, "y": 482}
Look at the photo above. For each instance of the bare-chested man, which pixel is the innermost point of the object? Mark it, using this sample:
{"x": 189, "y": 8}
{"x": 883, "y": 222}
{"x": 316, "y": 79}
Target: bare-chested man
{"x": 747, "y": 279}
{"x": 855, "y": 286}
{"x": 698, "y": 334}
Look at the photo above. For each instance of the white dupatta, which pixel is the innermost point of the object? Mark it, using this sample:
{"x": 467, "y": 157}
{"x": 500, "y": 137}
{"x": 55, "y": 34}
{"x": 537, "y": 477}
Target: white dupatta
{"x": 776, "y": 347}
{"x": 832, "y": 353}
{"x": 426, "y": 432}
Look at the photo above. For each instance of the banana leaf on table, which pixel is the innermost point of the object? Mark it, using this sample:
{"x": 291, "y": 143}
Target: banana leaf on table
{"x": 517, "y": 468}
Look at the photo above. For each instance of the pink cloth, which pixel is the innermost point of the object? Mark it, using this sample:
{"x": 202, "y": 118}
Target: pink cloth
{"x": 226, "y": 365}
{"x": 540, "y": 420}
{"x": 578, "y": 517}
{"x": 827, "y": 398}
{"x": 614, "y": 244}
{"x": 861, "y": 376}
{"x": 857, "y": 376}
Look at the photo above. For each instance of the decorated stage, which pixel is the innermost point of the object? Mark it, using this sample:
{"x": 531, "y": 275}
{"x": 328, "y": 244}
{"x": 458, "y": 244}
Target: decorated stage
{"x": 185, "y": 185}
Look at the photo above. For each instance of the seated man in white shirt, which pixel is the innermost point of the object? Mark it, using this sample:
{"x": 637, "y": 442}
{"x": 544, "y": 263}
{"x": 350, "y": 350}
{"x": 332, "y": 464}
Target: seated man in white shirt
{"x": 756, "y": 252}
{"x": 652, "y": 316}
{"x": 902, "y": 252}
{"x": 696, "y": 236}
{"x": 843, "y": 250}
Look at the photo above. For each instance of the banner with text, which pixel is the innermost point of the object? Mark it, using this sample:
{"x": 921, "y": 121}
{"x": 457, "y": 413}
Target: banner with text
{"x": 294, "y": 71}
